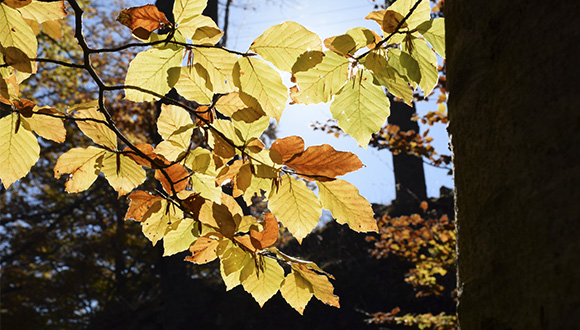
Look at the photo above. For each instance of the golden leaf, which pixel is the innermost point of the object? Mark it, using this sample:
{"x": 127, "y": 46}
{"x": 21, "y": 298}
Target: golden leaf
{"x": 84, "y": 165}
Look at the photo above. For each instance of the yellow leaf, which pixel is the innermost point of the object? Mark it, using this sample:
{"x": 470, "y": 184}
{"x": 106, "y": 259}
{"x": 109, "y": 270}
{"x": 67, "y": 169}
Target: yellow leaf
{"x": 200, "y": 160}
{"x": 247, "y": 131}
{"x": 48, "y": 127}
{"x": 194, "y": 84}
{"x": 19, "y": 150}
{"x": 296, "y": 206}
{"x": 185, "y": 10}
{"x": 174, "y": 124}
{"x": 205, "y": 186}
{"x": 97, "y": 131}
{"x": 297, "y": 291}
{"x": 14, "y": 32}
{"x": 83, "y": 165}
{"x": 52, "y": 29}
{"x": 122, "y": 172}
{"x": 323, "y": 289}
{"x": 257, "y": 184}
{"x": 179, "y": 237}
{"x": 434, "y": 32}
{"x": 427, "y": 61}
{"x": 323, "y": 161}
{"x": 150, "y": 70}
{"x": 202, "y": 30}
{"x": 170, "y": 150}
{"x": 157, "y": 220}
{"x": 284, "y": 51}
{"x": 224, "y": 145}
{"x": 264, "y": 281}
{"x": 219, "y": 65}
{"x": 218, "y": 217}
{"x": 419, "y": 15}
{"x": 360, "y": 107}
{"x": 321, "y": 82}
{"x": 44, "y": 11}
{"x": 254, "y": 77}
{"x": 354, "y": 39}
{"x": 347, "y": 205}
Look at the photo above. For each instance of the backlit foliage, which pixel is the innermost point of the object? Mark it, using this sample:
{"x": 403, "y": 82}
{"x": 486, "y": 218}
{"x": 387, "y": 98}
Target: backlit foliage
{"x": 428, "y": 242}
{"x": 189, "y": 210}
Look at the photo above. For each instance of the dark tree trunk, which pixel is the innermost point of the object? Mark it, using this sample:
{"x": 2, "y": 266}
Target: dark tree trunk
{"x": 515, "y": 126}
{"x": 409, "y": 173}
{"x": 408, "y": 169}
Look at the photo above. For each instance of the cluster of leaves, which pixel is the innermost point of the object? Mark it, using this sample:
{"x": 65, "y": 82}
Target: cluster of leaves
{"x": 429, "y": 244}
{"x": 440, "y": 321}
{"x": 189, "y": 211}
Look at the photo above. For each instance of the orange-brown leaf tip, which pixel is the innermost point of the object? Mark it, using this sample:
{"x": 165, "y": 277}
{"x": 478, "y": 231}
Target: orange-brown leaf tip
{"x": 268, "y": 236}
{"x": 288, "y": 147}
{"x": 141, "y": 201}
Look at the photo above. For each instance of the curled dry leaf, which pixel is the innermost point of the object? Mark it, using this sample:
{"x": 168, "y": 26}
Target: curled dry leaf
{"x": 268, "y": 236}
{"x": 142, "y": 20}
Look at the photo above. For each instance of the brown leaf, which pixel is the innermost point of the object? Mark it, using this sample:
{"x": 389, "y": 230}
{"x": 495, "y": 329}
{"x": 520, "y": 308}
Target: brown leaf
{"x": 147, "y": 149}
{"x": 288, "y": 147}
{"x": 141, "y": 201}
{"x": 268, "y": 236}
{"x": 204, "y": 115}
{"x": 204, "y": 249}
{"x": 16, "y": 3}
{"x": 319, "y": 162}
{"x": 25, "y": 107}
{"x": 142, "y": 20}
{"x": 193, "y": 204}
{"x": 178, "y": 176}
{"x": 246, "y": 242}
{"x": 17, "y": 59}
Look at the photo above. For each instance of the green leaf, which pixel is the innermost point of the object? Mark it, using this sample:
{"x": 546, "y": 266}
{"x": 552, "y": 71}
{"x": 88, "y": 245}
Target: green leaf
{"x": 296, "y": 206}
{"x": 360, "y": 107}
{"x": 185, "y": 10}
{"x": 179, "y": 237}
{"x": 14, "y": 32}
{"x": 427, "y": 60}
{"x": 264, "y": 281}
{"x": 122, "y": 172}
{"x": 19, "y": 149}
{"x": 434, "y": 32}
{"x": 219, "y": 65}
{"x": 194, "y": 83}
{"x": 347, "y": 205}
{"x": 405, "y": 65}
{"x": 282, "y": 44}
{"x": 256, "y": 78}
{"x": 83, "y": 165}
{"x": 321, "y": 82}
{"x": 297, "y": 291}
{"x": 150, "y": 70}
